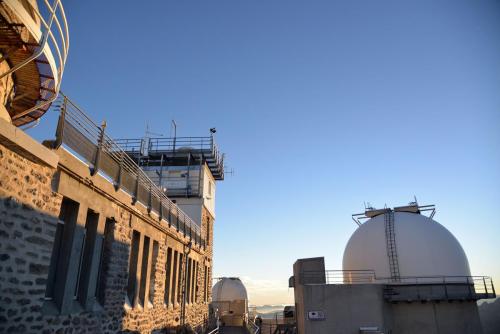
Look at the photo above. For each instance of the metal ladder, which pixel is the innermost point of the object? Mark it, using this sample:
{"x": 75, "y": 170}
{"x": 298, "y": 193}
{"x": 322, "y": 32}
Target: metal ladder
{"x": 390, "y": 238}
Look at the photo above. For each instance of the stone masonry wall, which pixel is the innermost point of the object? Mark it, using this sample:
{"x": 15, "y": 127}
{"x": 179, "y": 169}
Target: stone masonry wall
{"x": 29, "y": 209}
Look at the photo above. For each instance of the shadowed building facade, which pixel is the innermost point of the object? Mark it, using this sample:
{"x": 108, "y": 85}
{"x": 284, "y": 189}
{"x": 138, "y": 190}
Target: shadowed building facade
{"x": 89, "y": 242}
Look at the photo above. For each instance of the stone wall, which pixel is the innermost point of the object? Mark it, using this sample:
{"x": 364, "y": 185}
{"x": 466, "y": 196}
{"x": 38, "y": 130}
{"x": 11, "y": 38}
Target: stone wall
{"x": 30, "y": 203}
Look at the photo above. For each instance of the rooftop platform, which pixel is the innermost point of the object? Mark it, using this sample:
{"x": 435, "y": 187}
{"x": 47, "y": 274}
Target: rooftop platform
{"x": 178, "y": 151}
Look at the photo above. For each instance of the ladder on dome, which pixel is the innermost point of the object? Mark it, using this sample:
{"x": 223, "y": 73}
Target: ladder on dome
{"x": 390, "y": 238}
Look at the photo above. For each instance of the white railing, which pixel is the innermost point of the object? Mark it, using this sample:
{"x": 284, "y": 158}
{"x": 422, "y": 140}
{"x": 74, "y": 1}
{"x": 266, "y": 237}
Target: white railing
{"x": 52, "y": 36}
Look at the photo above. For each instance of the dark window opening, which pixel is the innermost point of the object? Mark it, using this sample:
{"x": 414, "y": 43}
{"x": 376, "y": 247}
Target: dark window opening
{"x": 152, "y": 272}
{"x": 104, "y": 260}
{"x": 179, "y": 280}
{"x": 132, "y": 277}
{"x": 168, "y": 277}
{"x": 175, "y": 278}
{"x": 87, "y": 252}
{"x": 144, "y": 271}
{"x": 62, "y": 245}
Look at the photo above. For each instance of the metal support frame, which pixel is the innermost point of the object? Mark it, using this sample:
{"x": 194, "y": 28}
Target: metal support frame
{"x": 187, "y": 175}
{"x": 118, "y": 181}
{"x": 136, "y": 188}
{"x": 60, "y": 125}
{"x": 97, "y": 160}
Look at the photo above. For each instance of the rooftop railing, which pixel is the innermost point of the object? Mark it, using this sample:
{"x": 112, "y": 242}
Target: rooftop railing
{"x": 177, "y": 146}
{"x": 408, "y": 287}
{"x": 76, "y": 131}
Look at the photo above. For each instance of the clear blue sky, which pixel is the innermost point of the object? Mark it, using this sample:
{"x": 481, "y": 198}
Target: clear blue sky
{"x": 319, "y": 105}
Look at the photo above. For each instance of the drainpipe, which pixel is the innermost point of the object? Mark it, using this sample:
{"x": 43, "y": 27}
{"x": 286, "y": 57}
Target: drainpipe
{"x": 184, "y": 297}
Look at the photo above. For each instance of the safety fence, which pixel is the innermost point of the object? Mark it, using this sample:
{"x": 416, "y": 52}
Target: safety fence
{"x": 408, "y": 287}
{"x": 87, "y": 140}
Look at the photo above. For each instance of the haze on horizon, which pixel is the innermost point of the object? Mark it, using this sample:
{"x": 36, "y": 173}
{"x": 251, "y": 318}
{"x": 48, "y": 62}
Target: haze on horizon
{"x": 319, "y": 105}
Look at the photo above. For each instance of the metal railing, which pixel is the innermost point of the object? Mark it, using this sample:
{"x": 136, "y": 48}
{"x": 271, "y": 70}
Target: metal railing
{"x": 252, "y": 327}
{"x": 177, "y": 145}
{"x": 449, "y": 286}
{"x": 53, "y": 40}
{"x": 216, "y": 329}
{"x": 90, "y": 142}
{"x": 337, "y": 277}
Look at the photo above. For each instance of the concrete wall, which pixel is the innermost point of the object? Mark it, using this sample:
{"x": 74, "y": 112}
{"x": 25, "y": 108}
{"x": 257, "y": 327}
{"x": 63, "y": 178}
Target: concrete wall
{"x": 346, "y": 308}
{"x": 31, "y": 193}
{"x": 436, "y": 318}
{"x": 349, "y": 307}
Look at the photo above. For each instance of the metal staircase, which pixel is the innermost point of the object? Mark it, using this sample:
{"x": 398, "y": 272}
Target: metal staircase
{"x": 390, "y": 237}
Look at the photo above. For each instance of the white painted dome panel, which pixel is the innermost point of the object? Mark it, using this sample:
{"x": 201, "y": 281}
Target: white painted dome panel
{"x": 424, "y": 248}
{"x": 229, "y": 289}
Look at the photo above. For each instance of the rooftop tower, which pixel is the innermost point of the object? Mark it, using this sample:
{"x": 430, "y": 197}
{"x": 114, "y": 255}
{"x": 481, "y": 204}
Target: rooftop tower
{"x": 185, "y": 168}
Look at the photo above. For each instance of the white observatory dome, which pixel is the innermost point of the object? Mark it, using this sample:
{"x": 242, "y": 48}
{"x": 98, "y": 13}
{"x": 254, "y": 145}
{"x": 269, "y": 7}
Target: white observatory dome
{"x": 229, "y": 289}
{"x": 423, "y": 246}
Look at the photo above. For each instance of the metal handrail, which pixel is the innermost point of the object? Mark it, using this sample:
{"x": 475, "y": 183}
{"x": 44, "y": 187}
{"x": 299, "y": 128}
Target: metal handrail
{"x": 71, "y": 115}
{"x": 256, "y": 329}
{"x": 480, "y": 283}
{"x": 58, "y": 42}
{"x": 216, "y": 329}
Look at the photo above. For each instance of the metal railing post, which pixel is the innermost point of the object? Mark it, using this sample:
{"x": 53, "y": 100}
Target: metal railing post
{"x": 136, "y": 190}
{"x": 97, "y": 159}
{"x": 445, "y": 288}
{"x": 118, "y": 181}
{"x": 60, "y": 125}
{"x": 469, "y": 286}
{"x": 485, "y": 286}
{"x": 150, "y": 198}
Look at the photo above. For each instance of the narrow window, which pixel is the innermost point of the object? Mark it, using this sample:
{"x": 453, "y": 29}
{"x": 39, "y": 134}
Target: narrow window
{"x": 152, "y": 272}
{"x": 175, "y": 278}
{"x": 208, "y": 231}
{"x": 144, "y": 271}
{"x": 188, "y": 282}
{"x": 168, "y": 276}
{"x": 132, "y": 273}
{"x": 196, "y": 283}
{"x": 104, "y": 260}
{"x": 205, "y": 285}
{"x": 179, "y": 281}
{"x": 62, "y": 245}
{"x": 85, "y": 264}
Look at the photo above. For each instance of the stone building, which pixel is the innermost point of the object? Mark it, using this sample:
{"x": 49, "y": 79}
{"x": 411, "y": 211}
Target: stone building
{"x": 89, "y": 243}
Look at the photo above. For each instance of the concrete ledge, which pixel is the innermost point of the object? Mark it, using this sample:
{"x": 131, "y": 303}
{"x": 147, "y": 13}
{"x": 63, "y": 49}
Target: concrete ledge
{"x": 18, "y": 141}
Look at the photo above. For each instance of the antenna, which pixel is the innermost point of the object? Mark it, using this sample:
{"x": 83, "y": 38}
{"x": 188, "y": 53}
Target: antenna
{"x": 149, "y": 133}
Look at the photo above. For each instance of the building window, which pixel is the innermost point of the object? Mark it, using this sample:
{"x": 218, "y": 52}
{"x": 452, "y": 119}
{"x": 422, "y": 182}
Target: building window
{"x": 208, "y": 231}
{"x": 87, "y": 252}
{"x": 152, "y": 272}
{"x": 168, "y": 276}
{"x": 144, "y": 271}
{"x": 104, "y": 260}
{"x": 179, "y": 280}
{"x": 175, "y": 278}
{"x": 197, "y": 298}
{"x": 188, "y": 281}
{"x": 132, "y": 276}
{"x": 62, "y": 246}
